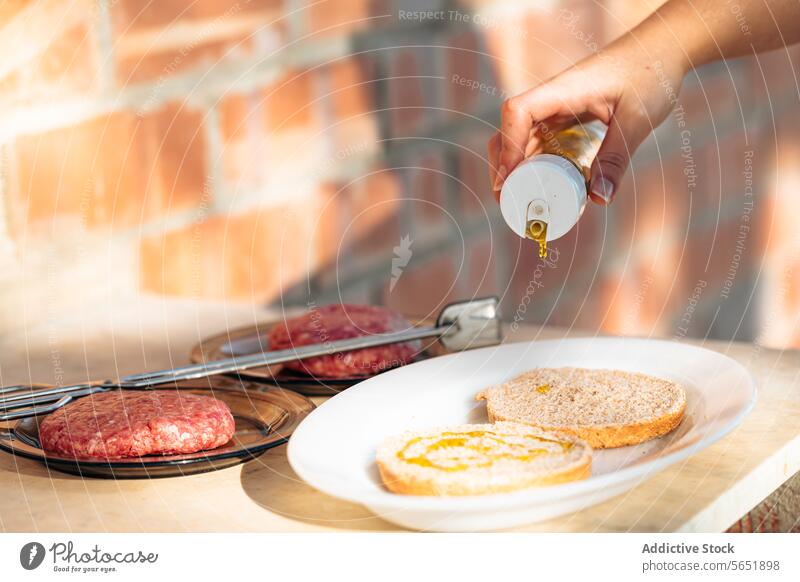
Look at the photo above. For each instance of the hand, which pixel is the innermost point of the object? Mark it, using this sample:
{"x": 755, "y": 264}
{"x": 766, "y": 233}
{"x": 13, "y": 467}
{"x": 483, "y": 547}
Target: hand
{"x": 623, "y": 87}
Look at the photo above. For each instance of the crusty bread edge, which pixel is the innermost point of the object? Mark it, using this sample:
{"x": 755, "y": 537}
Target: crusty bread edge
{"x": 412, "y": 485}
{"x": 608, "y": 436}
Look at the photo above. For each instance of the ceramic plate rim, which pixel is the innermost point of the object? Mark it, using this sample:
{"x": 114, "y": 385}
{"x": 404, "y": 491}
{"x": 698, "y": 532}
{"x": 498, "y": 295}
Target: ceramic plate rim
{"x": 386, "y": 499}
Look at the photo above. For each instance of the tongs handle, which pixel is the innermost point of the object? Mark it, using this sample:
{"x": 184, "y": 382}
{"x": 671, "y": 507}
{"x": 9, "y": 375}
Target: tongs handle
{"x": 276, "y": 357}
{"x": 45, "y": 401}
{"x": 30, "y": 402}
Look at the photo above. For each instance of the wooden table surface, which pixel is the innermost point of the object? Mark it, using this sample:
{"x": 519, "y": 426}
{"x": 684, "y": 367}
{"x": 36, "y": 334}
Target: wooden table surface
{"x": 707, "y": 492}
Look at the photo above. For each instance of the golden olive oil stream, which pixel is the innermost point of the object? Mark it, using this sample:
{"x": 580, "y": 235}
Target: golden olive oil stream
{"x": 536, "y": 230}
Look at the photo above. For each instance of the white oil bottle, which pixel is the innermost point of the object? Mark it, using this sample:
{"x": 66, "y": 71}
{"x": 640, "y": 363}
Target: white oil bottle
{"x": 543, "y": 198}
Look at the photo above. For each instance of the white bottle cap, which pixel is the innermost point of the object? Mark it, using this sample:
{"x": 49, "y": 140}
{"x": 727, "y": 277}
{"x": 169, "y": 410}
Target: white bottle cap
{"x": 544, "y": 178}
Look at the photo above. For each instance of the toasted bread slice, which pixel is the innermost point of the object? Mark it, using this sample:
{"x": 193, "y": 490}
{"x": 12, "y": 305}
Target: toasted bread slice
{"x": 606, "y": 408}
{"x": 477, "y": 459}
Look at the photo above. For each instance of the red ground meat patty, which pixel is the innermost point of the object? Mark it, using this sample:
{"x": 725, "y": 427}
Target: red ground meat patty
{"x": 135, "y": 423}
{"x": 335, "y": 322}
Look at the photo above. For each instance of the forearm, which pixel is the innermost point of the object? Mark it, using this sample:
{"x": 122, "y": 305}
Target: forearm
{"x": 625, "y": 85}
{"x": 697, "y": 32}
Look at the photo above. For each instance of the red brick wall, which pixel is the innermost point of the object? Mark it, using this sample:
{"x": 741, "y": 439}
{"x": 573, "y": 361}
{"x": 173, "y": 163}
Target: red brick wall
{"x": 275, "y": 150}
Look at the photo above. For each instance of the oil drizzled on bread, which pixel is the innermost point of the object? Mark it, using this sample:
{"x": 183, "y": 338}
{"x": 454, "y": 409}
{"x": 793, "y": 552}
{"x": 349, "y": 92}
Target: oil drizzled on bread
{"x": 458, "y": 451}
{"x": 475, "y": 459}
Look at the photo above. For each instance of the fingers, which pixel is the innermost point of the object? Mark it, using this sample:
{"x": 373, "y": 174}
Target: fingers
{"x": 515, "y": 126}
{"x": 494, "y": 158}
{"x": 627, "y": 130}
{"x": 518, "y": 116}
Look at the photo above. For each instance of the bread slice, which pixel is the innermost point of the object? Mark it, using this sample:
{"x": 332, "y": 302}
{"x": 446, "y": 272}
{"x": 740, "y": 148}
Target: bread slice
{"x": 477, "y": 459}
{"x": 606, "y": 408}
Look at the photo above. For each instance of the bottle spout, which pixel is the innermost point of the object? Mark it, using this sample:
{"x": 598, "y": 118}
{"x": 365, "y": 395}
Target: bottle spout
{"x": 536, "y": 228}
{"x": 547, "y": 189}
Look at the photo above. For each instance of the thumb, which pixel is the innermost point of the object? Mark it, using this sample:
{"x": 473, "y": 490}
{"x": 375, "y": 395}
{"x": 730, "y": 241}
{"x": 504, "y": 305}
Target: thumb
{"x": 625, "y": 133}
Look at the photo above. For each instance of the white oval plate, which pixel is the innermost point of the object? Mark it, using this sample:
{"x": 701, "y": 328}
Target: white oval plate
{"x": 333, "y": 449}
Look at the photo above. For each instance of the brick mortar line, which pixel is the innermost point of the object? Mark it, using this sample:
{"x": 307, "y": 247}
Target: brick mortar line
{"x": 616, "y": 268}
{"x": 566, "y": 295}
{"x": 701, "y": 310}
{"x": 213, "y": 160}
{"x": 30, "y": 24}
{"x": 105, "y": 43}
{"x": 247, "y": 75}
{"x": 377, "y": 267}
{"x": 294, "y": 17}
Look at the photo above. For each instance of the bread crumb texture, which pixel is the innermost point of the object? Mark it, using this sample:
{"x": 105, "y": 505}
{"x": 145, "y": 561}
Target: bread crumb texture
{"x": 607, "y": 408}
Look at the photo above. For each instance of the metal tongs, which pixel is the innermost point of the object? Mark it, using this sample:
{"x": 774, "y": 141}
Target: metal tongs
{"x": 460, "y": 326}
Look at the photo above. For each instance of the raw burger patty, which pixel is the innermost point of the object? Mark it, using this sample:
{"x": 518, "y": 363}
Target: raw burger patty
{"x": 135, "y": 423}
{"x": 335, "y": 322}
